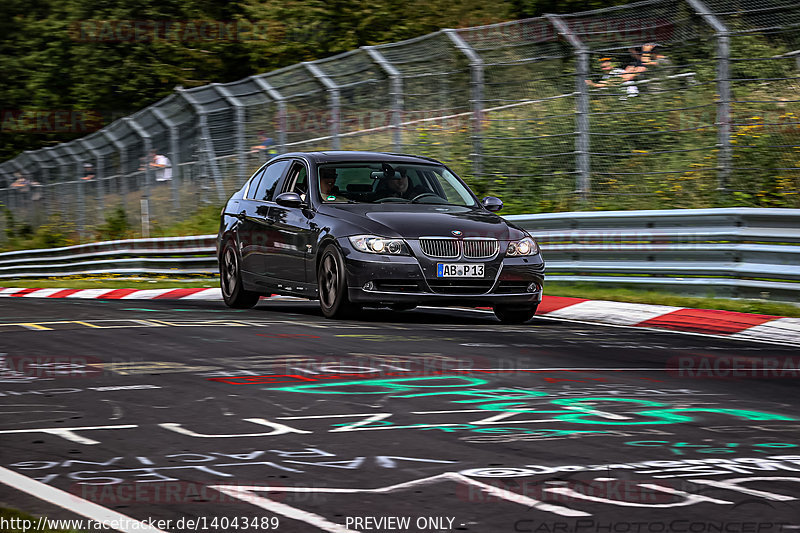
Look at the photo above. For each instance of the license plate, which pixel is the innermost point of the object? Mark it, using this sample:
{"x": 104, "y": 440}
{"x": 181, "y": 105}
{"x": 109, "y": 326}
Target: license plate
{"x": 459, "y": 270}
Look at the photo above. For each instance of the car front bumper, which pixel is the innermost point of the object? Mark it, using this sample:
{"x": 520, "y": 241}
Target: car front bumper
{"x": 396, "y": 279}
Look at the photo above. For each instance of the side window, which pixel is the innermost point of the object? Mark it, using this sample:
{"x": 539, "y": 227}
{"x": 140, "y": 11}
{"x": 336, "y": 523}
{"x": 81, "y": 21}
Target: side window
{"x": 251, "y": 190}
{"x": 297, "y": 180}
{"x": 272, "y": 174}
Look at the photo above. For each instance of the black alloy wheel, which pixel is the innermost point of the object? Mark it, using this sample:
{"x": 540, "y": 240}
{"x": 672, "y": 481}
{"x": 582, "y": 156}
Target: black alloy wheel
{"x": 332, "y": 284}
{"x": 514, "y": 315}
{"x": 230, "y": 280}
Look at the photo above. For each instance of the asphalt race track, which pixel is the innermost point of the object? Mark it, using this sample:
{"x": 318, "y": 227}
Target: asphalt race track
{"x": 275, "y": 419}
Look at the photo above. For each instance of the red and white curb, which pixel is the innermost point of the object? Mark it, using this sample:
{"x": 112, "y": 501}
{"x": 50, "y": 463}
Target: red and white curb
{"x": 746, "y": 326}
{"x": 116, "y": 294}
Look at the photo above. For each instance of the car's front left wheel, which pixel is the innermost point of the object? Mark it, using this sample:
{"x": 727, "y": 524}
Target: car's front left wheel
{"x": 230, "y": 280}
{"x": 332, "y": 283}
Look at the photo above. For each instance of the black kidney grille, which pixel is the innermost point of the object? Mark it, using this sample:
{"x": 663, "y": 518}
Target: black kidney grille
{"x": 443, "y": 247}
{"x": 479, "y": 248}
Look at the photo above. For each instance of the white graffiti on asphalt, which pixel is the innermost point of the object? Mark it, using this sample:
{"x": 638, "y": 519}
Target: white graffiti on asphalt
{"x": 216, "y": 464}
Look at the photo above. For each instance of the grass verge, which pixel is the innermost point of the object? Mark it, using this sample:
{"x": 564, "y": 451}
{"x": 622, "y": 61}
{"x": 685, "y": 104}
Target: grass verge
{"x": 623, "y": 294}
{"x": 575, "y": 290}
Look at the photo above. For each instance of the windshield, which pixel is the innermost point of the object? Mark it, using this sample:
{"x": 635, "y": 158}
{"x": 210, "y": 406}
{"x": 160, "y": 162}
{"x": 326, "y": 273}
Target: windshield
{"x": 376, "y": 182}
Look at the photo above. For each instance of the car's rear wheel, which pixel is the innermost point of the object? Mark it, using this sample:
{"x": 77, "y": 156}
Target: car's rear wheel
{"x": 332, "y": 283}
{"x": 514, "y": 315}
{"x": 230, "y": 280}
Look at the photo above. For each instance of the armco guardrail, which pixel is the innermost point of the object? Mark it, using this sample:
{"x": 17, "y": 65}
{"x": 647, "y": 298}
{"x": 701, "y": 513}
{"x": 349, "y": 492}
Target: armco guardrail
{"x": 738, "y": 252}
{"x": 168, "y": 255}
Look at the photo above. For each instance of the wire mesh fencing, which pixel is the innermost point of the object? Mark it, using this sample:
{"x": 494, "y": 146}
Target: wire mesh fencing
{"x": 655, "y": 104}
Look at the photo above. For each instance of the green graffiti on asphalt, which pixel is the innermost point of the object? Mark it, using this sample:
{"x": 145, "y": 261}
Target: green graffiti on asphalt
{"x": 512, "y": 400}
{"x": 384, "y": 386}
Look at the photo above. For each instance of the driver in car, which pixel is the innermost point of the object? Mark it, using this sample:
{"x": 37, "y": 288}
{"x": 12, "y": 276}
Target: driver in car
{"x": 397, "y": 186}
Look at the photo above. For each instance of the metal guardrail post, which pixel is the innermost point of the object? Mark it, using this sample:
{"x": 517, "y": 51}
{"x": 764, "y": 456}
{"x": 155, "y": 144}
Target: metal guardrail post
{"x": 38, "y": 157}
{"x": 98, "y": 177}
{"x": 79, "y": 185}
{"x": 476, "y": 70}
{"x": 281, "y": 101}
{"x": 396, "y": 92}
{"x": 174, "y": 154}
{"x": 583, "y": 186}
{"x": 240, "y": 141}
{"x": 722, "y": 34}
{"x": 123, "y": 160}
{"x": 335, "y": 100}
{"x": 205, "y": 141}
{"x": 148, "y": 174}
{"x": 13, "y": 193}
{"x": 51, "y": 203}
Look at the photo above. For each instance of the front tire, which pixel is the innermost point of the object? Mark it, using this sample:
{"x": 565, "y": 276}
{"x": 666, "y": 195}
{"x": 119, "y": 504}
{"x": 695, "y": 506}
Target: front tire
{"x": 514, "y": 315}
{"x": 230, "y": 280}
{"x": 332, "y": 284}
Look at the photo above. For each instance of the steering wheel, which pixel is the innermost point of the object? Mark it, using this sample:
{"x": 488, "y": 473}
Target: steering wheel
{"x": 423, "y": 195}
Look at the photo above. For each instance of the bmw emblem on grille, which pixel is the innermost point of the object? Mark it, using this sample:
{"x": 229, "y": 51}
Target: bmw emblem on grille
{"x": 456, "y": 233}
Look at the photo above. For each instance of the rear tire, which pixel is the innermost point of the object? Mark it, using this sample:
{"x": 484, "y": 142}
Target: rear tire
{"x": 332, "y": 284}
{"x": 514, "y": 315}
{"x": 230, "y": 280}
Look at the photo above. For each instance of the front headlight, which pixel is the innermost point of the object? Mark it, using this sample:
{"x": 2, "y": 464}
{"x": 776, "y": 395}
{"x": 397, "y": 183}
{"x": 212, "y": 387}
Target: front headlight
{"x": 379, "y": 245}
{"x": 526, "y": 246}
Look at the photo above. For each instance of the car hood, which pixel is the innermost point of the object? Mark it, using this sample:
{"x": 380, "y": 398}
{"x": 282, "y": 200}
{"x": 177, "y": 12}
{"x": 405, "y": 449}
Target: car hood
{"x": 412, "y": 221}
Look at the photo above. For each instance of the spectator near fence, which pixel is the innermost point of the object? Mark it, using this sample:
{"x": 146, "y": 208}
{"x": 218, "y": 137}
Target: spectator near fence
{"x": 20, "y": 183}
{"x": 163, "y": 166}
{"x": 88, "y": 170}
{"x": 625, "y": 77}
{"x": 266, "y": 145}
{"x": 23, "y": 184}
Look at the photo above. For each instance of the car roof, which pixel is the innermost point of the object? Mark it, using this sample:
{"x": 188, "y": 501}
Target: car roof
{"x": 334, "y": 156}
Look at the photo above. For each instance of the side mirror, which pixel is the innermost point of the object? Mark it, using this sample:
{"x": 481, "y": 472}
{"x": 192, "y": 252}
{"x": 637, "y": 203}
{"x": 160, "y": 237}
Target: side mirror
{"x": 289, "y": 199}
{"x": 492, "y": 203}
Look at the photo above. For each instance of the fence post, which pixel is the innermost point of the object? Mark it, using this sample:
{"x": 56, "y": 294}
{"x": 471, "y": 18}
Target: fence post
{"x": 98, "y": 177}
{"x": 205, "y": 141}
{"x": 41, "y": 207}
{"x": 722, "y": 35}
{"x": 79, "y": 186}
{"x": 15, "y": 196}
{"x": 583, "y": 186}
{"x": 476, "y": 70}
{"x": 174, "y": 155}
{"x": 240, "y": 140}
{"x": 277, "y": 97}
{"x": 148, "y": 173}
{"x": 334, "y": 95}
{"x": 395, "y": 91}
{"x": 123, "y": 160}
{"x": 51, "y": 203}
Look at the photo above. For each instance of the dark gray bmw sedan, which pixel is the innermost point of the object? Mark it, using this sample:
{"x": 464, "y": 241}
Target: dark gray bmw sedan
{"x": 356, "y": 229}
